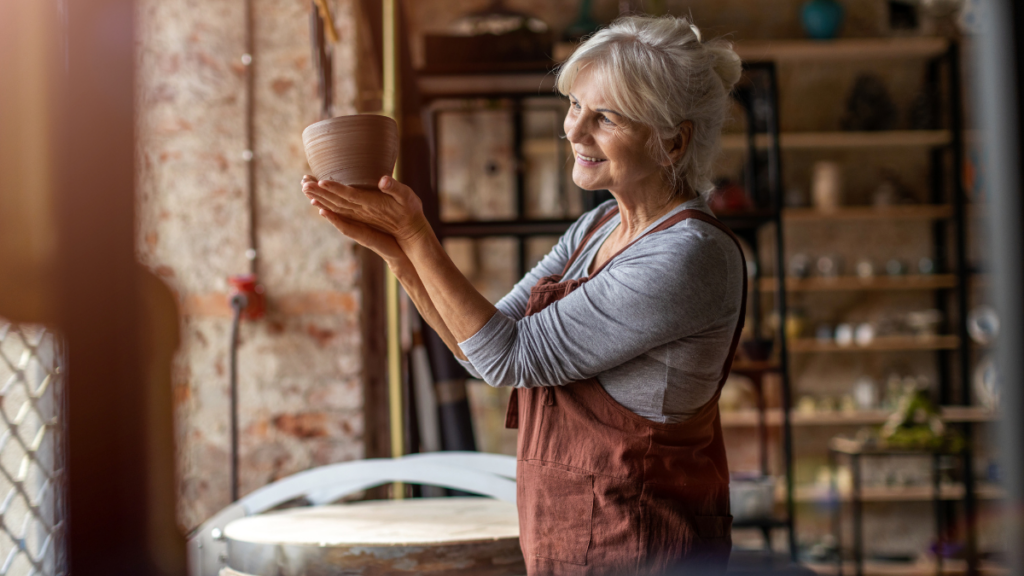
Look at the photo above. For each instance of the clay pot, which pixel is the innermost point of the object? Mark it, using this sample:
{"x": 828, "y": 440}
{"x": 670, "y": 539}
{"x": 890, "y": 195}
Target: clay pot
{"x": 353, "y": 150}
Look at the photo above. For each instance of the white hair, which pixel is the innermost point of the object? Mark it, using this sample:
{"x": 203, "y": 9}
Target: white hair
{"x": 658, "y": 72}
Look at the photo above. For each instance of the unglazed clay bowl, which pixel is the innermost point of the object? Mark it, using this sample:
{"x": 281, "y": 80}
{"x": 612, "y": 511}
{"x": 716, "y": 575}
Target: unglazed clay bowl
{"x": 353, "y": 150}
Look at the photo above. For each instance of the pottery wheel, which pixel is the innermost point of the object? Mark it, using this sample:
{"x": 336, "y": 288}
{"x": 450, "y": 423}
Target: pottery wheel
{"x": 478, "y": 536}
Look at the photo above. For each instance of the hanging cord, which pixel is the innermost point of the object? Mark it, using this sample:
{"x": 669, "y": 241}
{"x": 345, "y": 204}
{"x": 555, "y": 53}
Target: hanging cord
{"x": 321, "y": 29}
{"x": 238, "y": 304}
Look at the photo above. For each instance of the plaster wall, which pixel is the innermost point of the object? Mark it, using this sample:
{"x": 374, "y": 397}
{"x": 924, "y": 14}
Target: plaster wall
{"x": 301, "y": 397}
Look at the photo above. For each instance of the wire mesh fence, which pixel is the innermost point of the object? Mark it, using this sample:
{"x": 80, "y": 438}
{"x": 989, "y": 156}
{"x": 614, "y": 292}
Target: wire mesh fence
{"x": 32, "y": 452}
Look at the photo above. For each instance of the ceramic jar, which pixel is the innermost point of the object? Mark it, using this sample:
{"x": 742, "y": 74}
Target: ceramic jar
{"x": 822, "y": 18}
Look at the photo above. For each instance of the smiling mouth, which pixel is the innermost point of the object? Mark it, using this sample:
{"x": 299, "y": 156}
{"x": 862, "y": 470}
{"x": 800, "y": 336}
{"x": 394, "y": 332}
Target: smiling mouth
{"x": 589, "y": 159}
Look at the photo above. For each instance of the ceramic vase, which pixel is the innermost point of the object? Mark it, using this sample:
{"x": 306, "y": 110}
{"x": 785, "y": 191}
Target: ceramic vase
{"x": 822, "y": 18}
{"x": 827, "y": 186}
{"x": 354, "y": 150}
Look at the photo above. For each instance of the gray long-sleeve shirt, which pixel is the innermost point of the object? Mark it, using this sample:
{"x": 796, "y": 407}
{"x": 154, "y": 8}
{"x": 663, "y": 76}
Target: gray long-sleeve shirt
{"x": 654, "y": 327}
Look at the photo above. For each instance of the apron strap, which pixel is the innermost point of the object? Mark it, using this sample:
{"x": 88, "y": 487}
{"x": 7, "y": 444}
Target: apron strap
{"x": 675, "y": 219}
{"x": 593, "y": 230}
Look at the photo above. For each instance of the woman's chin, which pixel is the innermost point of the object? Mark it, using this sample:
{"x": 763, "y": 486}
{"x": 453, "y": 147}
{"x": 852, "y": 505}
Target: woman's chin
{"x": 588, "y": 186}
{"x": 586, "y": 181}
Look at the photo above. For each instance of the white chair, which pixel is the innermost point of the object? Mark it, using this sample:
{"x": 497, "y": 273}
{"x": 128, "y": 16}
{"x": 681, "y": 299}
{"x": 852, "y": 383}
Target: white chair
{"x": 490, "y": 475}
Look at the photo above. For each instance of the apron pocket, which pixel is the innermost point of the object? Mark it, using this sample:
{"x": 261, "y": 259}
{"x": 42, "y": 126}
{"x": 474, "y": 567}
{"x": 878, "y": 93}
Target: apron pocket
{"x": 559, "y": 510}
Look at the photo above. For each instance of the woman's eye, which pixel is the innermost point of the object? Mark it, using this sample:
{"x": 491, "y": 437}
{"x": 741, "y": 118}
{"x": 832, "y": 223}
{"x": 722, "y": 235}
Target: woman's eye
{"x": 576, "y": 105}
{"x": 605, "y": 120}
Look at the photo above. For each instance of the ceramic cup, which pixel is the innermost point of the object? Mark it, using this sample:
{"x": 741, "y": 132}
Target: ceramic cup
{"x": 353, "y": 150}
{"x": 827, "y": 186}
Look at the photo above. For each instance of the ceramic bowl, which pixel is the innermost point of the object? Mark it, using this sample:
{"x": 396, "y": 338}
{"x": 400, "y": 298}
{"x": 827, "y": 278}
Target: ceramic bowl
{"x": 353, "y": 150}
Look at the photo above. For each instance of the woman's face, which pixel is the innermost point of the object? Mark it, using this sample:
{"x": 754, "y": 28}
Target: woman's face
{"x": 611, "y": 152}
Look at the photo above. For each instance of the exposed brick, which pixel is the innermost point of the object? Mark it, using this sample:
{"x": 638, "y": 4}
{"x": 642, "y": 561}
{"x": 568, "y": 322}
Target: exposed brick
{"x": 304, "y": 356}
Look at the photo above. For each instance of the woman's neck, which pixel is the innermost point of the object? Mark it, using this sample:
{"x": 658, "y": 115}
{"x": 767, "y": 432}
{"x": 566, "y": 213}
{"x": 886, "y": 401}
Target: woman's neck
{"x": 638, "y": 211}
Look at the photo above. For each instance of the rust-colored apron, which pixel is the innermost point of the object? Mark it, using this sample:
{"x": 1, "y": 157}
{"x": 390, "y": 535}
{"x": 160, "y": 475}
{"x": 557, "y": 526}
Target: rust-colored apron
{"x": 602, "y": 490}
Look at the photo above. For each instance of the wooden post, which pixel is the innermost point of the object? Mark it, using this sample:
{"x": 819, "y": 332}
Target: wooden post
{"x": 395, "y": 388}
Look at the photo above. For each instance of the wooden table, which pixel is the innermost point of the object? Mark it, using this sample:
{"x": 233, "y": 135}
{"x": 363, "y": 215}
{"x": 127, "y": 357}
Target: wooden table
{"x": 471, "y": 536}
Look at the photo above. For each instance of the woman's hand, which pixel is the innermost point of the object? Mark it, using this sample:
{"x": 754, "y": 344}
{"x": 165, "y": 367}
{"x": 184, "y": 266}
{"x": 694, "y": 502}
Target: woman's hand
{"x": 339, "y": 211}
{"x": 397, "y": 213}
{"x": 383, "y": 244}
{"x": 395, "y": 210}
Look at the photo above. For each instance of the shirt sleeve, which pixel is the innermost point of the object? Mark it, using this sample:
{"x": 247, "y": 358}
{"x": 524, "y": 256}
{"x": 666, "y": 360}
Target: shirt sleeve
{"x": 668, "y": 286}
{"x": 513, "y": 304}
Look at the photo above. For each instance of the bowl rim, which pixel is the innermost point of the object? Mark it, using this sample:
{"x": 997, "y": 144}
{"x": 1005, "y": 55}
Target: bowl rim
{"x": 321, "y": 126}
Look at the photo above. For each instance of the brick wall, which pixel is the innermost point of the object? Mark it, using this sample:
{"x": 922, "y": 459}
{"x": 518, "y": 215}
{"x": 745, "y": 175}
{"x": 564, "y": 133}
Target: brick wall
{"x": 301, "y": 397}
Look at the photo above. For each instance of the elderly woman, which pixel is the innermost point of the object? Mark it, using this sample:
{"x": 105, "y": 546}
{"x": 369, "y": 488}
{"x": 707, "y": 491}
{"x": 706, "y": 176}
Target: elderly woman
{"x": 617, "y": 344}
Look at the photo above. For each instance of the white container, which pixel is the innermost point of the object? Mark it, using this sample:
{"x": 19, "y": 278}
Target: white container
{"x": 827, "y": 186}
{"x": 752, "y": 497}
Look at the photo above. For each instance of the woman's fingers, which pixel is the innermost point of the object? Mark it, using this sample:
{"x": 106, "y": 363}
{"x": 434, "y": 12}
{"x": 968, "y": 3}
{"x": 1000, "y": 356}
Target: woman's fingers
{"x": 345, "y": 213}
{"x": 394, "y": 210}
{"x": 331, "y": 202}
{"x": 398, "y": 191}
{"x": 350, "y": 194}
{"x": 381, "y": 243}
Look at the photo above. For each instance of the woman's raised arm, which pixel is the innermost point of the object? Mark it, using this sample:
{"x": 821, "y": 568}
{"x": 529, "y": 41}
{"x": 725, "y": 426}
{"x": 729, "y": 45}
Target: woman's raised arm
{"x": 433, "y": 281}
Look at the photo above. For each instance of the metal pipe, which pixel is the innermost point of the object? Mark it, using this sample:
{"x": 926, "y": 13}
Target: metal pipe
{"x": 395, "y": 388}
{"x": 997, "y": 105}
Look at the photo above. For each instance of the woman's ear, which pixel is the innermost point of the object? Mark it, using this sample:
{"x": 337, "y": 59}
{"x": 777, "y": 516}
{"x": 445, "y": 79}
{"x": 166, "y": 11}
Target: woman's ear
{"x": 676, "y": 145}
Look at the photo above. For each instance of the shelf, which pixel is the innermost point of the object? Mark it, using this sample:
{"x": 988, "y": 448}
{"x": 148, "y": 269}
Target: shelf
{"x": 880, "y": 283}
{"x": 863, "y": 213}
{"x": 748, "y": 367}
{"x": 879, "y": 344}
{"x": 922, "y": 493}
{"x": 876, "y": 568}
{"x": 746, "y": 220}
{"x": 490, "y": 228}
{"x": 469, "y": 85}
{"x": 760, "y": 523}
{"x": 773, "y": 417}
{"x": 844, "y": 140}
{"x": 542, "y": 82}
{"x": 858, "y": 49}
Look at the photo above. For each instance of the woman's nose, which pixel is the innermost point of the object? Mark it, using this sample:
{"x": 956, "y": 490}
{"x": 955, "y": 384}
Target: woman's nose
{"x": 573, "y": 129}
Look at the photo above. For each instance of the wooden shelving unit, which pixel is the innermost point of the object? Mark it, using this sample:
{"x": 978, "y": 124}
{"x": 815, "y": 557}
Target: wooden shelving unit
{"x": 938, "y": 222}
{"x": 844, "y": 140}
{"x": 843, "y": 49}
{"x": 868, "y": 213}
{"x": 879, "y": 344}
{"x": 849, "y": 283}
{"x": 773, "y": 417}
{"x": 950, "y": 568}
{"x": 484, "y": 85}
{"x": 921, "y": 493}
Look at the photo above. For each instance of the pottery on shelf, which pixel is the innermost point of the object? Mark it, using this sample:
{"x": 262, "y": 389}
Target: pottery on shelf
{"x": 354, "y": 150}
{"x": 822, "y": 18}
{"x": 827, "y": 186}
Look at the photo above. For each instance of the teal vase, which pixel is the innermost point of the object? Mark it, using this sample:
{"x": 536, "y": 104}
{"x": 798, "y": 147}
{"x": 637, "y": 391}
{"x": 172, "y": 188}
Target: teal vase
{"x": 822, "y": 18}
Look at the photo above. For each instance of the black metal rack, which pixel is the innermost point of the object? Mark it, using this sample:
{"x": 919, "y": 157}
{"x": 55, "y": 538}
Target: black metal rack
{"x": 757, "y": 94}
{"x": 855, "y": 454}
